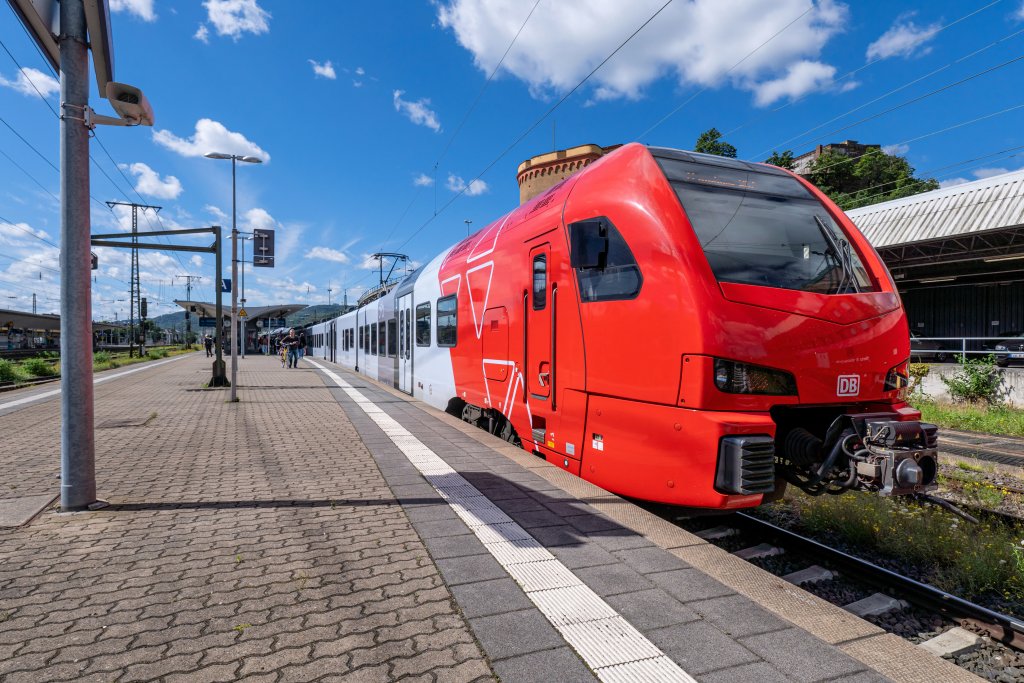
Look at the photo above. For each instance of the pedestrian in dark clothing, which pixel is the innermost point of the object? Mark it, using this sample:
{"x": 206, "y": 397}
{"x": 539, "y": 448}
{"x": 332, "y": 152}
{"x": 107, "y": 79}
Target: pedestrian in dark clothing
{"x": 291, "y": 342}
{"x": 208, "y": 343}
{"x": 302, "y": 344}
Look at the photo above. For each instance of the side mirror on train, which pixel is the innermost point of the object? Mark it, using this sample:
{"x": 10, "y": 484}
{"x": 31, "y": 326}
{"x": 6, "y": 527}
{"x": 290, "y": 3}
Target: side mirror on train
{"x": 589, "y": 244}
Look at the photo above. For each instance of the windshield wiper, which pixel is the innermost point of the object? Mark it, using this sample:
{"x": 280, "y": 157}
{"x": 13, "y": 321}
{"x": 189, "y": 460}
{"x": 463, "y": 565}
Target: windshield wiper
{"x": 840, "y": 249}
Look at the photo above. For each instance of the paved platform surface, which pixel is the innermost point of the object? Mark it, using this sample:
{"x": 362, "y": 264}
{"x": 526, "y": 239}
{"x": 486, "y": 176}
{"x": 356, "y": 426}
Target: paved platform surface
{"x": 325, "y": 528}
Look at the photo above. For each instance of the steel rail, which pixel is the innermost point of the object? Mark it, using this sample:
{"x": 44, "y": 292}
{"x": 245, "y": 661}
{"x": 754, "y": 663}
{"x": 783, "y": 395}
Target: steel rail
{"x": 1004, "y": 628}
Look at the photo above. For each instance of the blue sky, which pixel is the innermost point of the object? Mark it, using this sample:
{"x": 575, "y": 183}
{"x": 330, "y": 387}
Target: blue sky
{"x": 356, "y": 108}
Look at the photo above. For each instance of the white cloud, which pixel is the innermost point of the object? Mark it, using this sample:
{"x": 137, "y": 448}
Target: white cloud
{"x": 143, "y": 9}
{"x": 695, "y": 42}
{"x": 202, "y": 34}
{"x": 360, "y": 71}
{"x": 235, "y": 17}
{"x": 989, "y": 172}
{"x": 215, "y": 212}
{"x": 27, "y": 77}
{"x": 327, "y": 254}
{"x": 802, "y": 77}
{"x": 475, "y": 187}
{"x": 902, "y": 39}
{"x": 258, "y": 218}
{"x": 196, "y": 260}
{"x": 1020, "y": 12}
{"x": 950, "y": 182}
{"x": 210, "y": 136}
{"x": 422, "y": 180}
{"x": 896, "y": 150}
{"x": 326, "y": 69}
{"x": 418, "y": 112}
{"x": 150, "y": 183}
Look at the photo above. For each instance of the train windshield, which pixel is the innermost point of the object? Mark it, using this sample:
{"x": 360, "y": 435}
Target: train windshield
{"x": 764, "y": 228}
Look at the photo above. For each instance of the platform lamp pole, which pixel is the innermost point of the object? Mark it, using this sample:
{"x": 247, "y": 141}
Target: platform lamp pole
{"x": 234, "y": 263}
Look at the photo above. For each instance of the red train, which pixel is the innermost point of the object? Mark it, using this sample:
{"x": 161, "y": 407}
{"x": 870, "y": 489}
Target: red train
{"x": 672, "y": 326}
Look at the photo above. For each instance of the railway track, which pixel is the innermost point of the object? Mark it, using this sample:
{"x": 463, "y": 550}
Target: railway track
{"x": 1002, "y": 627}
{"x": 898, "y": 594}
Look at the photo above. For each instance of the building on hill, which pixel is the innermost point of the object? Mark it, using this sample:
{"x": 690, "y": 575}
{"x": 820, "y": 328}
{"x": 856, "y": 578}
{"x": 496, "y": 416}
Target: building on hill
{"x": 849, "y": 148}
{"x": 542, "y": 172}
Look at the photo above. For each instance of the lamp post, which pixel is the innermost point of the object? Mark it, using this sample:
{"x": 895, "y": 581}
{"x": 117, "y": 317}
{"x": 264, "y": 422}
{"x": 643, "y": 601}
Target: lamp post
{"x": 234, "y": 264}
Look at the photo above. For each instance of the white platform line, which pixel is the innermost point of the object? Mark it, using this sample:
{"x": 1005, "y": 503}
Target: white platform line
{"x": 97, "y": 380}
{"x": 610, "y": 645}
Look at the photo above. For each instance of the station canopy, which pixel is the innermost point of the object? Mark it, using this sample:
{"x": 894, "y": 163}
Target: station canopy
{"x": 972, "y": 233}
{"x": 208, "y": 309}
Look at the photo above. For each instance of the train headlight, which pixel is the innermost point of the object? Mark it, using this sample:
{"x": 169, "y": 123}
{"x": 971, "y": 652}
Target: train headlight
{"x": 742, "y": 378}
{"x": 897, "y": 378}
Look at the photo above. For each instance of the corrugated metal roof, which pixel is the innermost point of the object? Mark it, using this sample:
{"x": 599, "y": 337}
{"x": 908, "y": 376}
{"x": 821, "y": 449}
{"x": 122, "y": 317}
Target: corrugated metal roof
{"x": 988, "y": 204}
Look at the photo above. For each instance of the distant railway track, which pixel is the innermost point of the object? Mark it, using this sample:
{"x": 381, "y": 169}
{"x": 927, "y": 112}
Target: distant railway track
{"x": 10, "y": 386}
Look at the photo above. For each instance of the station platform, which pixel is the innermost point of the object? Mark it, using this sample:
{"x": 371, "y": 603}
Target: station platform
{"x": 328, "y": 528}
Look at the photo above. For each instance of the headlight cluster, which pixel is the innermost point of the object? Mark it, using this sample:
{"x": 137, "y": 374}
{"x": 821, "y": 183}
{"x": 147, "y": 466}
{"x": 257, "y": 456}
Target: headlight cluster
{"x": 1000, "y": 347}
{"x": 897, "y": 378}
{"x": 742, "y": 378}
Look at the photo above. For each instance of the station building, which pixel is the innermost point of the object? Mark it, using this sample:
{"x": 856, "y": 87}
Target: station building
{"x": 956, "y": 255}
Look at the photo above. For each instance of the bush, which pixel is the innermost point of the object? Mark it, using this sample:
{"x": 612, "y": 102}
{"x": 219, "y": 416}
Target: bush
{"x": 918, "y": 371}
{"x": 979, "y": 380}
{"x": 9, "y": 372}
{"x": 157, "y": 353}
{"x": 38, "y": 367}
{"x": 101, "y": 357}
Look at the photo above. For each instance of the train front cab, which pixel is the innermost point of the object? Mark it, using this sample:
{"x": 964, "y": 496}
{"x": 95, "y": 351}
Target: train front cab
{"x": 721, "y": 309}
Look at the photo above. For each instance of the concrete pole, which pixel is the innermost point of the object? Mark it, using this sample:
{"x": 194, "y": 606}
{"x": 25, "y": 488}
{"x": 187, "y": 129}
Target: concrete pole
{"x": 234, "y": 288}
{"x": 77, "y": 448}
{"x": 218, "y": 362}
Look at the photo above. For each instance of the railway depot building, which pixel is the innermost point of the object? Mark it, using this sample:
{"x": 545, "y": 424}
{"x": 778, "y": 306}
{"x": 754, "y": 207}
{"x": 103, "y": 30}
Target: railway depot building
{"x": 956, "y": 255}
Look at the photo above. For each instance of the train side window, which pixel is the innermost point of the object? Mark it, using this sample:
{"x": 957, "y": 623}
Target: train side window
{"x": 540, "y": 282}
{"x": 606, "y": 269}
{"x": 392, "y": 338}
{"x": 423, "y": 324}
{"x": 373, "y": 339}
{"x": 447, "y": 320}
{"x": 382, "y": 339}
{"x": 362, "y": 343}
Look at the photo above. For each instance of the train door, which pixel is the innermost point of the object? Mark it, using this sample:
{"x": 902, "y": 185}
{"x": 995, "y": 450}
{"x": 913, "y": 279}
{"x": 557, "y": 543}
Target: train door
{"x": 539, "y": 362}
{"x": 404, "y": 306}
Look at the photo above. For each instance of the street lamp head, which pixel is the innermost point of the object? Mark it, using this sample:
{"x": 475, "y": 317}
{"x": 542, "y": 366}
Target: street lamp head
{"x": 251, "y": 160}
{"x": 216, "y": 155}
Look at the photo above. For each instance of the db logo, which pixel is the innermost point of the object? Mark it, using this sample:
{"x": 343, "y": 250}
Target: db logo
{"x": 849, "y": 385}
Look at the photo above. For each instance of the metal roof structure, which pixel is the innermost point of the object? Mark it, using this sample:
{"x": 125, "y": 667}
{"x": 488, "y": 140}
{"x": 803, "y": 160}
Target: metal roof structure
{"x": 48, "y": 322}
{"x": 979, "y": 206}
{"x": 208, "y": 309}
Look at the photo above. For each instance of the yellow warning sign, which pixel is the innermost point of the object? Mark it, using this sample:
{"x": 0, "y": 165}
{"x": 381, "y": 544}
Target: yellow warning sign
{"x": 242, "y": 313}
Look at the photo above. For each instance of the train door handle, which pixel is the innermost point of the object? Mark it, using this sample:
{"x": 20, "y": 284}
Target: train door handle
{"x": 542, "y": 377}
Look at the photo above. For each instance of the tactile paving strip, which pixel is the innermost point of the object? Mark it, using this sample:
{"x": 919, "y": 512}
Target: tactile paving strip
{"x": 612, "y": 647}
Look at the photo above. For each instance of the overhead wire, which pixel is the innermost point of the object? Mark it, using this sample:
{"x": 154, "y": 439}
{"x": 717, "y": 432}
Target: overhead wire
{"x": 854, "y": 72}
{"x": 536, "y": 123}
{"x": 458, "y": 128}
{"x": 697, "y": 94}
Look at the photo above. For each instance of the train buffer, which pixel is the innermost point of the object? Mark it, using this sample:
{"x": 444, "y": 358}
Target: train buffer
{"x": 327, "y": 525}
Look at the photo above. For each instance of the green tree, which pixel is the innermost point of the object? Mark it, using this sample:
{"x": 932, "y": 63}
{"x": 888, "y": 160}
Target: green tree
{"x": 710, "y": 142}
{"x": 871, "y": 178}
{"x": 784, "y": 160}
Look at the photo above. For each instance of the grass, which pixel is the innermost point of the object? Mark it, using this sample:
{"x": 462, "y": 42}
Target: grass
{"x": 10, "y": 372}
{"x": 973, "y": 418}
{"x": 39, "y": 367}
{"x": 970, "y": 560}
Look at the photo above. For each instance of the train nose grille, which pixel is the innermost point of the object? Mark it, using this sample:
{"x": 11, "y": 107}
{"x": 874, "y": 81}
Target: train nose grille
{"x": 746, "y": 464}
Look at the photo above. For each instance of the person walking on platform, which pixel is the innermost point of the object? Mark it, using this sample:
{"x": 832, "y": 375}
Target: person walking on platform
{"x": 291, "y": 343}
{"x": 208, "y": 344}
{"x": 302, "y": 344}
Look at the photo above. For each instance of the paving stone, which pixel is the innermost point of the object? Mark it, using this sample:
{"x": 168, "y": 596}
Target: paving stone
{"x": 688, "y": 585}
{"x": 582, "y": 555}
{"x": 472, "y": 568}
{"x": 651, "y": 609}
{"x": 484, "y": 598}
{"x": 560, "y": 664}
{"x": 738, "y": 616}
{"x": 515, "y": 633}
{"x": 650, "y": 560}
{"x": 802, "y": 656}
{"x": 612, "y": 579}
{"x": 698, "y": 648}
{"x": 758, "y": 672}
{"x": 442, "y": 547}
